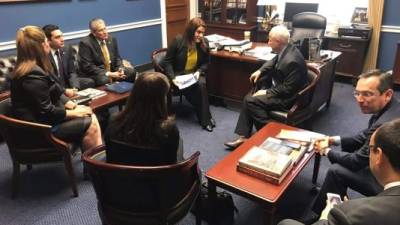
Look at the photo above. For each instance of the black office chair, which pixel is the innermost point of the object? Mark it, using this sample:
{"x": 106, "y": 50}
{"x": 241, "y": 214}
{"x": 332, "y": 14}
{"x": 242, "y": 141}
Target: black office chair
{"x": 308, "y": 25}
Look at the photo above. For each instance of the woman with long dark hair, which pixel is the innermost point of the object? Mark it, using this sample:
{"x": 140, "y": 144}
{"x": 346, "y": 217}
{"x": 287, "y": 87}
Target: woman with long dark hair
{"x": 189, "y": 53}
{"x": 35, "y": 95}
{"x": 144, "y": 124}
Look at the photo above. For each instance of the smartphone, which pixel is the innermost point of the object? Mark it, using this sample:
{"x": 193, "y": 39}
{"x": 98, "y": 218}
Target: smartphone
{"x": 334, "y": 198}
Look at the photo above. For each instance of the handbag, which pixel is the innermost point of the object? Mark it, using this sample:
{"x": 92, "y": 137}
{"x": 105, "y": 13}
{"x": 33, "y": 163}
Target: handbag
{"x": 223, "y": 210}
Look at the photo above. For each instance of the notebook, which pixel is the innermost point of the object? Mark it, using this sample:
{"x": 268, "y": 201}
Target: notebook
{"x": 119, "y": 87}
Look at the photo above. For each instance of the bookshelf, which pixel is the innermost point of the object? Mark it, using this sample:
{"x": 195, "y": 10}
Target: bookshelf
{"x": 229, "y": 17}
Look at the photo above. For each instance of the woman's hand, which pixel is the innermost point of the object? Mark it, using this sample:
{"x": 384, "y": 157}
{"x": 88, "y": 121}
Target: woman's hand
{"x": 79, "y": 111}
{"x": 71, "y": 92}
{"x": 70, "y": 105}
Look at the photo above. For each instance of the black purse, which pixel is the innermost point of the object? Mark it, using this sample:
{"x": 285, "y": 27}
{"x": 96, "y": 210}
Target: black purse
{"x": 224, "y": 207}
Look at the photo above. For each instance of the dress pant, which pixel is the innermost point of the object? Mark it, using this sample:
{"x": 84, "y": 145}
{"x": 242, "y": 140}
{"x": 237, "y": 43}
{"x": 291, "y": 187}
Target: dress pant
{"x": 198, "y": 97}
{"x": 339, "y": 178}
{"x": 254, "y": 111}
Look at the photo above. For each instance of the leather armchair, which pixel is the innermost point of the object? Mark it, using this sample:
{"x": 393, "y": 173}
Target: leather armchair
{"x": 145, "y": 195}
{"x": 33, "y": 143}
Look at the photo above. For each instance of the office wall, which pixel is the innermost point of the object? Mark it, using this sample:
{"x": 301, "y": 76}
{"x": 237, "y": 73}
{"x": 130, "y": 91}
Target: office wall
{"x": 136, "y": 23}
{"x": 390, "y": 35}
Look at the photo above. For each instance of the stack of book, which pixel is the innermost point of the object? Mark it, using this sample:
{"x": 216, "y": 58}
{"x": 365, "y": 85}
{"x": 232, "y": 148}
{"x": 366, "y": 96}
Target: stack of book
{"x": 272, "y": 160}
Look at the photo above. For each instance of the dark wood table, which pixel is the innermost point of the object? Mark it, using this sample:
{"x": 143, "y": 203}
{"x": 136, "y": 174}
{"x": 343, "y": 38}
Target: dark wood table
{"x": 225, "y": 175}
{"x": 229, "y": 72}
{"x": 109, "y": 100}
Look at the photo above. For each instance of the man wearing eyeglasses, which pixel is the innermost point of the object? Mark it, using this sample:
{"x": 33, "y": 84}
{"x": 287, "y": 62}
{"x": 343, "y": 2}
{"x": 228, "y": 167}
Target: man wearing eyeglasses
{"x": 384, "y": 163}
{"x": 99, "y": 57}
{"x": 349, "y": 169}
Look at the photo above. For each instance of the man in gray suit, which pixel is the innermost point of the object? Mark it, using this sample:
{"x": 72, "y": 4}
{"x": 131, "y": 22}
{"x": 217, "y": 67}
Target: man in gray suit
{"x": 384, "y": 162}
{"x": 277, "y": 83}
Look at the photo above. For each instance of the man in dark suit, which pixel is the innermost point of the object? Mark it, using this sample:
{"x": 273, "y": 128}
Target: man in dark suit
{"x": 62, "y": 57}
{"x": 99, "y": 57}
{"x": 349, "y": 169}
{"x": 277, "y": 83}
{"x": 384, "y": 162}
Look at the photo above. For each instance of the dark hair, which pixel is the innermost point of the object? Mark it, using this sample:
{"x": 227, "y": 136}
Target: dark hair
{"x": 145, "y": 109}
{"x": 387, "y": 138}
{"x": 385, "y": 79}
{"x": 190, "y": 29}
{"x": 48, "y": 29}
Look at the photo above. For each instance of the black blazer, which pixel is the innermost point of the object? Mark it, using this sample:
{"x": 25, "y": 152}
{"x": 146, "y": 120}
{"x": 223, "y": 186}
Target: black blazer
{"x": 70, "y": 78}
{"x": 289, "y": 74}
{"x": 122, "y": 151}
{"x": 175, "y": 60}
{"x": 381, "y": 209}
{"x": 355, "y": 154}
{"x": 35, "y": 97}
{"x": 91, "y": 61}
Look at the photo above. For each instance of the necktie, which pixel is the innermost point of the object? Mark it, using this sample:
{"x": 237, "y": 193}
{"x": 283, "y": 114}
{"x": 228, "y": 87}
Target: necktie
{"x": 59, "y": 64}
{"x": 106, "y": 56}
{"x": 372, "y": 120}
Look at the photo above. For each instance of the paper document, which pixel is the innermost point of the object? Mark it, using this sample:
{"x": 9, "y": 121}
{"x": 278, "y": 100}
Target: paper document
{"x": 302, "y": 136}
{"x": 184, "y": 81}
{"x": 263, "y": 53}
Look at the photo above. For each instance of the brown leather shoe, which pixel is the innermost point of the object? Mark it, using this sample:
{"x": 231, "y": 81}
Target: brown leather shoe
{"x": 235, "y": 143}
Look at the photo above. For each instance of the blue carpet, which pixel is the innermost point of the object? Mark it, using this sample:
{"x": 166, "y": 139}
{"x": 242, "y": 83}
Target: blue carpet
{"x": 45, "y": 195}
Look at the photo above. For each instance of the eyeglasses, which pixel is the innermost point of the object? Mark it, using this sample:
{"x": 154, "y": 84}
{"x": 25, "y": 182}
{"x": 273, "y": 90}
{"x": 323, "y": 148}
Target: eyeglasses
{"x": 364, "y": 94}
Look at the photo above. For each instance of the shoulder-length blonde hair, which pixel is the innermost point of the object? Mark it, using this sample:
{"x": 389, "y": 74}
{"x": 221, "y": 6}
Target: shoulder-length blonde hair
{"x": 30, "y": 51}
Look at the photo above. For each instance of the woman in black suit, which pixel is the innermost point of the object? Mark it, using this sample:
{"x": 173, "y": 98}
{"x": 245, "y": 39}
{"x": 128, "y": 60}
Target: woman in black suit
{"x": 190, "y": 54}
{"x": 35, "y": 95}
{"x": 144, "y": 124}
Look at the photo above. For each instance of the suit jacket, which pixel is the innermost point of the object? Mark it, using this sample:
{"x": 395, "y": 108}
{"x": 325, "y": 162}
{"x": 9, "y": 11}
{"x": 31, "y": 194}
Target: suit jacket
{"x": 381, "y": 209}
{"x": 355, "y": 154}
{"x": 289, "y": 74}
{"x": 91, "y": 61}
{"x": 69, "y": 78}
{"x": 35, "y": 97}
{"x": 175, "y": 60}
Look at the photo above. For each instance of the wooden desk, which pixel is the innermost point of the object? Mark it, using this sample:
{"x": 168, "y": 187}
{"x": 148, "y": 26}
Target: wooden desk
{"x": 229, "y": 72}
{"x": 225, "y": 175}
{"x": 109, "y": 100}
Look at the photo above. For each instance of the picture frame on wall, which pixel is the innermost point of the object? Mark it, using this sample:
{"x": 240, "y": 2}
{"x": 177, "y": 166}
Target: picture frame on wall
{"x": 360, "y": 15}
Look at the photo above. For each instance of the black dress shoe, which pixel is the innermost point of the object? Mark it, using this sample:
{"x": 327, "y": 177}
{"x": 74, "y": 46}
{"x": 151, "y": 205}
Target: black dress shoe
{"x": 234, "y": 144}
{"x": 212, "y": 122}
{"x": 208, "y": 128}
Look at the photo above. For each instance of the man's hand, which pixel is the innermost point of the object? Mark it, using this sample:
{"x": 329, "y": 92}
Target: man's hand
{"x": 255, "y": 76}
{"x": 70, "y": 105}
{"x": 321, "y": 145}
{"x": 71, "y": 92}
{"x": 325, "y": 212}
{"x": 260, "y": 92}
{"x": 117, "y": 75}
